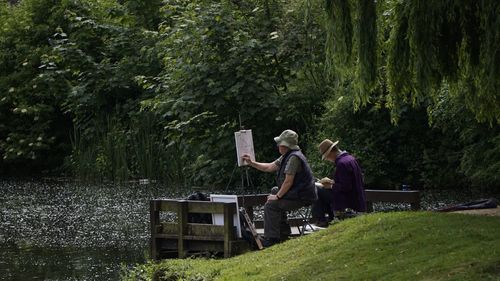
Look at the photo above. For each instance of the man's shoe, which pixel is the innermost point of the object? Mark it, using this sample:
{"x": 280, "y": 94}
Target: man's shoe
{"x": 268, "y": 242}
{"x": 285, "y": 231}
{"x": 322, "y": 224}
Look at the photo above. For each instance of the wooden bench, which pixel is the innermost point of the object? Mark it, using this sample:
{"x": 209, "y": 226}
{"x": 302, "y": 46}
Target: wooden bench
{"x": 393, "y": 196}
{"x": 372, "y": 195}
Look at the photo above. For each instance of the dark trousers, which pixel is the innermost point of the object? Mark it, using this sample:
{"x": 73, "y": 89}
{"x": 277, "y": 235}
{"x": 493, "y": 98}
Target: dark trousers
{"x": 275, "y": 221}
{"x": 323, "y": 205}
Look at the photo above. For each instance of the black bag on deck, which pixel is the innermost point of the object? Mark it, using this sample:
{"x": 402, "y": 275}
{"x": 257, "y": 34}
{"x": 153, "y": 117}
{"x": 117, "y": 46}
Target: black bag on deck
{"x": 199, "y": 217}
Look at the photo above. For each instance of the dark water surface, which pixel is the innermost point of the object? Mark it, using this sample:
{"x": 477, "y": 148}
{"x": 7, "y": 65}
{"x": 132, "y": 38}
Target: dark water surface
{"x": 67, "y": 231}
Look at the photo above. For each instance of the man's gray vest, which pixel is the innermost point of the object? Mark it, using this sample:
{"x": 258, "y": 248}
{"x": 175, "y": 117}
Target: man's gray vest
{"x": 303, "y": 183}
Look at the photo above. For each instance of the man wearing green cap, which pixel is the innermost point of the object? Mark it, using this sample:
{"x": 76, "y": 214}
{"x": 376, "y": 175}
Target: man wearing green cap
{"x": 295, "y": 183}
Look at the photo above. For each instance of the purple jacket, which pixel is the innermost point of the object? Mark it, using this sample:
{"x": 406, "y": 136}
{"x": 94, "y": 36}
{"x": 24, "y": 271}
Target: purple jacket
{"x": 348, "y": 190}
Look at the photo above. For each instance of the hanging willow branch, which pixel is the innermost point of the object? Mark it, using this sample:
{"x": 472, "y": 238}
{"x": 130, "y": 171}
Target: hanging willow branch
{"x": 339, "y": 33}
{"x": 488, "y": 79}
{"x": 353, "y": 53}
{"x": 428, "y": 43}
{"x": 398, "y": 55}
{"x": 367, "y": 49}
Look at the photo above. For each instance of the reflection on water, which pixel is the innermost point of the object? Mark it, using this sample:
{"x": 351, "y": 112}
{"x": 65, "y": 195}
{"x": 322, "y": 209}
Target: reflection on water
{"x": 65, "y": 231}
{"x": 64, "y": 263}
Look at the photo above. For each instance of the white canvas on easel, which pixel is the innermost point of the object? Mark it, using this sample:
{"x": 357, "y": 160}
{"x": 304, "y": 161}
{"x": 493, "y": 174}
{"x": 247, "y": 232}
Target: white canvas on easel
{"x": 244, "y": 145}
{"x": 218, "y": 219}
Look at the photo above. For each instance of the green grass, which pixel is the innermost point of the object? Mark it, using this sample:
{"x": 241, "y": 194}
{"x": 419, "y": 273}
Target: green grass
{"x": 383, "y": 246}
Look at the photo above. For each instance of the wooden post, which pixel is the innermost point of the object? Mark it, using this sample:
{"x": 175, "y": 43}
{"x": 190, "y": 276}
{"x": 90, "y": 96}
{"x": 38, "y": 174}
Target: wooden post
{"x": 229, "y": 211}
{"x": 369, "y": 206}
{"x": 182, "y": 216}
{"x": 415, "y": 206}
{"x": 154, "y": 219}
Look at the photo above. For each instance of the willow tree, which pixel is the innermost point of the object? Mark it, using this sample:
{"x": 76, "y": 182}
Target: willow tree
{"x": 411, "y": 49}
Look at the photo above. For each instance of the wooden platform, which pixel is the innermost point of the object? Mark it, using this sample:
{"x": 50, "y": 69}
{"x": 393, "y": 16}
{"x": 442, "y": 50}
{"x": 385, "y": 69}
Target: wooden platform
{"x": 393, "y": 196}
{"x": 180, "y": 238}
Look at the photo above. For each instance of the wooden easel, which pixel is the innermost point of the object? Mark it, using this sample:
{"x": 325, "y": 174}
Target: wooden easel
{"x": 252, "y": 229}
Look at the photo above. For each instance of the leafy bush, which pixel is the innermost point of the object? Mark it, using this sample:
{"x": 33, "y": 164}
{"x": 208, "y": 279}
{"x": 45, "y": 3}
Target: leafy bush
{"x": 224, "y": 65}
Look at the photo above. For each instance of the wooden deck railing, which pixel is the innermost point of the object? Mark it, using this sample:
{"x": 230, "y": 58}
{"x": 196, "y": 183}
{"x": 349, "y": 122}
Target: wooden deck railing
{"x": 183, "y": 237}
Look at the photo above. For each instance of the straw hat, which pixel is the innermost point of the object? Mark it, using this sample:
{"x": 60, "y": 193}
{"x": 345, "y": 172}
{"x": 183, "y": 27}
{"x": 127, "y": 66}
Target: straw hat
{"x": 325, "y": 147}
{"x": 289, "y": 139}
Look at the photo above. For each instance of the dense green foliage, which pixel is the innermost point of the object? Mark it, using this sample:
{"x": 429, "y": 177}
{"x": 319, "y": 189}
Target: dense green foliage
{"x": 75, "y": 81}
{"x": 119, "y": 90}
{"x": 390, "y": 246}
{"x": 400, "y": 59}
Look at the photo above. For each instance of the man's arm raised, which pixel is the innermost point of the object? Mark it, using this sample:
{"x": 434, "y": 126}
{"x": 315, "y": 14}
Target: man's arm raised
{"x": 264, "y": 167}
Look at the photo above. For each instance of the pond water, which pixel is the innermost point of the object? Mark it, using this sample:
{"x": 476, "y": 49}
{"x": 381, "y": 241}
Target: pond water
{"x": 68, "y": 231}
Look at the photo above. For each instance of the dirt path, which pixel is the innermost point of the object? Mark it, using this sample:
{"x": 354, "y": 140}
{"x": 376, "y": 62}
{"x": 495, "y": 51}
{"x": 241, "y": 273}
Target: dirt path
{"x": 483, "y": 212}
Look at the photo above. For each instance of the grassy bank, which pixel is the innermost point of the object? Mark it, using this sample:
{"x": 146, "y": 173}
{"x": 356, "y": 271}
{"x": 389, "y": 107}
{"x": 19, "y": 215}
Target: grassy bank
{"x": 383, "y": 246}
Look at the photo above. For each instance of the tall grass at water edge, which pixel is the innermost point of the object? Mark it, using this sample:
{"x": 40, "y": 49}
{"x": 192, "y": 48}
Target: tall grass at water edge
{"x": 120, "y": 153}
